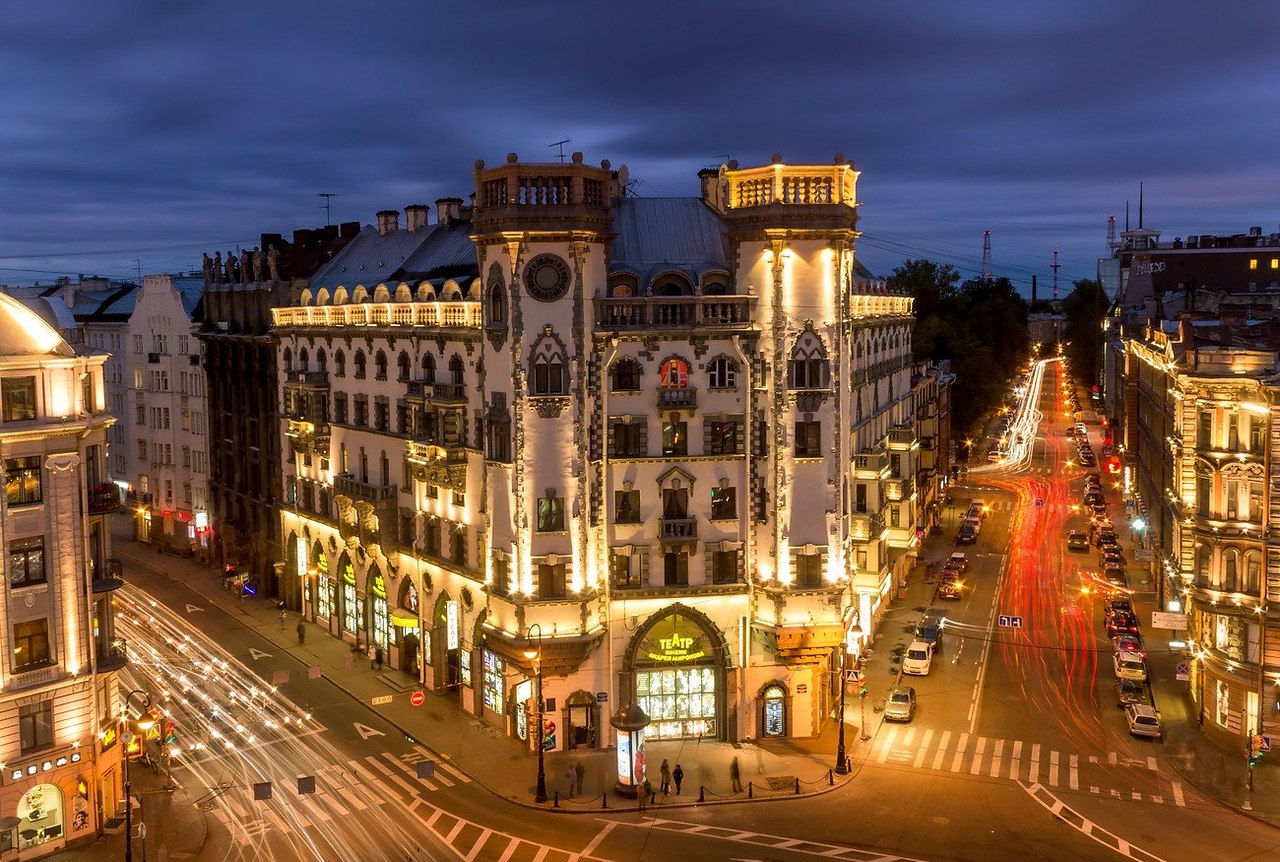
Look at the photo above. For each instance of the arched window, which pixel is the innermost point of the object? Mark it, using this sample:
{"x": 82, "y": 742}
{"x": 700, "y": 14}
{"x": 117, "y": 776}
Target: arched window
{"x": 722, "y": 373}
{"x": 304, "y": 360}
{"x": 380, "y": 366}
{"x": 672, "y": 287}
{"x": 808, "y": 366}
{"x": 428, "y": 368}
{"x": 1252, "y": 573}
{"x": 322, "y": 360}
{"x": 626, "y": 375}
{"x": 359, "y": 364}
{"x": 339, "y": 364}
{"x": 497, "y": 304}
{"x": 716, "y": 288}
{"x": 547, "y": 375}
{"x": 674, "y": 374}
{"x": 1204, "y": 576}
{"x": 1231, "y": 570}
{"x": 456, "y": 370}
{"x": 287, "y": 356}
{"x": 402, "y": 367}
{"x": 774, "y": 712}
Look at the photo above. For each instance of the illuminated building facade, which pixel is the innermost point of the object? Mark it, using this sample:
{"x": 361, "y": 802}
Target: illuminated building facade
{"x": 1203, "y": 426}
{"x": 670, "y": 444}
{"x": 58, "y": 694}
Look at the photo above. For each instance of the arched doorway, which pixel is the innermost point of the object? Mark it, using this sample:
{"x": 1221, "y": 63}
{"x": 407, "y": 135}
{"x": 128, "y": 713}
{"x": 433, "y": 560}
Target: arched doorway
{"x": 581, "y": 716}
{"x": 322, "y": 598}
{"x": 408, "y": 626}
{"x": 378, "y": 624}
{"x": 677, "y": 663}
{"x": 446, "y": 643}
{"x": 773, "y": 710}
{"x": 350, "y": 608}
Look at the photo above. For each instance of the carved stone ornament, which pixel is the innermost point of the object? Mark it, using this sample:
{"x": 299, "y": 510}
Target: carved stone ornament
{"x": 546, "y": 278}
{"x": 809, "y": 401}
{"x": 550, "y": 406}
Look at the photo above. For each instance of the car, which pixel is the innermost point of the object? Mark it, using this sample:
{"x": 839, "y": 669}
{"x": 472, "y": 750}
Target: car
{"x": 929, "y": 630}
{"x": 950, "y": 587}
{"x": 1118, "y": 624}
{"x": 967, "y": 535}
{"x": 1117, "y": 576}
{"x": 1129, "y": 665}
{"x": 900, "y": 705}
{"x": 980, "y": 505}
{"x": 1094, "y": 498}
{"x": 1117, "y": 606}
{"x": 918, "y": 659}
{"x": 1128, "y": 642}
{"x": 1107, "y": 536}
{"x": 960, "y": 560}
{"x": 1143, "y": 720}
{"x": 1130, "y": 691}
{"x": 1077, "y": 541}
{"x": 974, "y": 521}
{"x": 1111, "y": 554}
{"x": 1087, "y": 461}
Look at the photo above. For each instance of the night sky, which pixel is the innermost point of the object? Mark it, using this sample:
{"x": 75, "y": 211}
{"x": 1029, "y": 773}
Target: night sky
{"x": 135, "y": 135}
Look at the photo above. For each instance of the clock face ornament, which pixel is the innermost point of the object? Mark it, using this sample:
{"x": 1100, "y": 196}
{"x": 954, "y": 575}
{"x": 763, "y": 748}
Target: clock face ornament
{"x": 546, "y": 278}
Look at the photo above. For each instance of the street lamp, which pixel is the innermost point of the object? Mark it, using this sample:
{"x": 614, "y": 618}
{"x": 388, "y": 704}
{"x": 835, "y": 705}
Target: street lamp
{"x": 144, "y": 724}
{"x": 842, "y": 762}
{"x": 535, "y": 655}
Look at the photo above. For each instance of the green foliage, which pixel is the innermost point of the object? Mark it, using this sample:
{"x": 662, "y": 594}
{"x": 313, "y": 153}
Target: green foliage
{"x": 980, "y": 325}
{"x": 1084, "y": 308}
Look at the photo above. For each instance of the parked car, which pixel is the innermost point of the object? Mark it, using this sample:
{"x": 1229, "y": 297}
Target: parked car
{"x": 1117, "y": 606}
{"x": 900, "y": 705}
{"x": 966, "y": 535}
{"x": 960, "y": 560}
{"x": 918, "y": 659}
{"x": 1077, "y": 541}
{"x": 929, "y": 630}
{"x": 1128, "y": 642}
{"x": 1143, "y": 720}
{"x": 1129, "y": 665}
{"x": 1121, "y": 623}
{"x": 1130, "y": 691}
{"x": 1117, "y": 576}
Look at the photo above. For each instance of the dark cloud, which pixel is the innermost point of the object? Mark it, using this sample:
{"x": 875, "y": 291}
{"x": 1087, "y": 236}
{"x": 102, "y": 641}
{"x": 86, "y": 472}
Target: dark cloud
{"x": 159, "y": 128}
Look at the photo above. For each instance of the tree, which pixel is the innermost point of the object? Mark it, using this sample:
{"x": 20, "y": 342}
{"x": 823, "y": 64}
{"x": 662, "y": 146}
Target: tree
{"x": 1084, "y": 309}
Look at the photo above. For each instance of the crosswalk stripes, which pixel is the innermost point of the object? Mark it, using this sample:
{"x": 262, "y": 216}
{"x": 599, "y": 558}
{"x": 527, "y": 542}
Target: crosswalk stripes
{"x": 987, "y": 757}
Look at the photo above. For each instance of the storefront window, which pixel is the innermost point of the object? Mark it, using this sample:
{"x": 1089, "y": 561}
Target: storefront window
{"x": 524, "y": 694}
{"x": 380, "y": 621}
{"x": 493, "y": 668}
{"x": 324, "y": 597}
{"x": 40, "y": 816}
{"x": 348, "y": 607}
{"x": 681, "y": 702}
{"x": 464, "y": 660}
{"x": 775, "y": 723}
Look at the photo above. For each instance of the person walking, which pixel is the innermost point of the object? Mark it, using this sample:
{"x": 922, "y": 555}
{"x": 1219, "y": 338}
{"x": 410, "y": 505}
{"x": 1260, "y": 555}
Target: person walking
{"x": 642, "y": 798}
{"x": 284, "y": 616}
{"x": 665, "y": 772}
{"x": 302, "y": 632}
{"x": 377, "y": 655}
{"x": 678, "y": 776}
{"x": 572, "y": 775}
{"x": 580, "y": 772}
{"x": 735, "y": 775}
{"x": 371, "y": 656}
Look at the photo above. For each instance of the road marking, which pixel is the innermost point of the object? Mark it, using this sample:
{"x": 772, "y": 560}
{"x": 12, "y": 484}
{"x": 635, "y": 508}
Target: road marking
{"x": 1035, "y": 761}
{"x": 1177, "y": 795}
{"x": 443, "y": 765}
{"x": 191, "y": 609}
{"x": 475, "y": 848}
{"x": 1112, "y": 758}
{"x": 256, "y": 654}
{"x": 960, "y": 745}
{"x": 908, "y": 736}
{"x": 1053, "y": 768}
{"x": 1015, "y": 767}
{"x": 1073, "y": 780}
{"x": 976, "y": 766}
{"x": 995, "y": 758}
{"x": 609, "y": 826}
{"x": 377, "y": 764}
{"x": 942, "y": 749}
{"x": 1151, "y": 764}
{"x": 1158, "y": 800}
{"x": 1085, "y": 827}
{"x": 924, "y": 748}
{"x": 509, "y": 852}
{"x": 366, "y": 731}
{"x": 412, "y": 773}
{"x": 887, "y": 745}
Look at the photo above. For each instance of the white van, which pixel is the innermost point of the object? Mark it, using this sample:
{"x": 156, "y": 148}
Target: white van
{"x": 918, "y": 659}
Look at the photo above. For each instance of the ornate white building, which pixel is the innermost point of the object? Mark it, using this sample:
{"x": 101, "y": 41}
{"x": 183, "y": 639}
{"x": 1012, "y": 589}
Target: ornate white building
{"x": 58, "y": 693}
{"x": 667, "y": 442}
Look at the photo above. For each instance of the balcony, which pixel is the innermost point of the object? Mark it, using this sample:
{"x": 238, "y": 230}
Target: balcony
{"x": 111, "y": 655}
{"x": 429, "y": 452}
{"x": 347, "y": 485}
{"x": 316, "y": 379}
{"x": 904, "y": 437}
{"x": 686, "y": 398}
{"x": 869, "y": 465}
{"x": 108, "y": 577}
{"x": 709, "y": 312}
{"x": 447, "y": 392}
{"x": 678, "y": 529}
{"x": 899, "y": 489}
{"x": 865, "y": 527}
{"x": 104, "y": 498}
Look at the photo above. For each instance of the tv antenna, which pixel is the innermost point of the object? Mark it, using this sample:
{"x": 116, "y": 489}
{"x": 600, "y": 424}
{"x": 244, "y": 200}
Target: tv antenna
{"x": 560, "y": 144}
{"x": 328, "y": 202}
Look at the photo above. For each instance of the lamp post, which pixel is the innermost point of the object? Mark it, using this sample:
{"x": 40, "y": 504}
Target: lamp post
{"x": 535, "y": 655}
{"x": 144, "y": 725}
{"x": 842, "y": 762}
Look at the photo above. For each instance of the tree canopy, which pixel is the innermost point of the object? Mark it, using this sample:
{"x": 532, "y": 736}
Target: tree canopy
{"x": 1083, "y": 309}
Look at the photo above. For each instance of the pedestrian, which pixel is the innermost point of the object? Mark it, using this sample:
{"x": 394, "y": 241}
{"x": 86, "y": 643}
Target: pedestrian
{"x": 572, "y": 775}
{"x": 643, "y": 798}
{"x": 664, "y": 772}
{"x": 302, "y": 632}
{"x": 735, "y": 775}
{"x": 371, "y": 657}
{"x": 580, "y": 772}
{"x": 284, "y": 615}
{"x": 678, "y": 776}
{"x": 378, "y": 656}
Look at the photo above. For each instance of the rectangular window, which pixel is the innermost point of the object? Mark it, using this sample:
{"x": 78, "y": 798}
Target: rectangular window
{"x": 548, "y": 378}
{"x": 550, "y": 514}
{"x": 35, "y": 722}
{"x": 626, "y": 507}
{"x": 551, "y": 583}
{"x": 23, "y": 480}
{"x": 722, "y": 438}
{"x": 501, "y": 584}
{"x": 808, "y": 571}
{"x": 860, "y": 498}
{"x": 724, "y": 503}
{"x": 432, "y": 537}
{"x": 18, "y": 398}
{"x": 624, "y": 570}
{"x": 675, "y": 569}
{"x": 499, "y": 441}
{"x": 808, "y": 443}
{"x": 675, "y": 437}
{"x": 1204, "y": 433}
{"x": 724, "y": 567}
{"x": 26, "y": 562}
{"x": 458, "y": 547}
{"x": 626, "y": 439}
{"x": 30, "y": 645}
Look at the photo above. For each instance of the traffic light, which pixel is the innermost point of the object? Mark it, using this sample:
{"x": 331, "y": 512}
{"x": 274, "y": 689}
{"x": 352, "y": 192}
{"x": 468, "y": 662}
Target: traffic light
{"x": 170, "y": 733}
{"x": 1255, "y": 749}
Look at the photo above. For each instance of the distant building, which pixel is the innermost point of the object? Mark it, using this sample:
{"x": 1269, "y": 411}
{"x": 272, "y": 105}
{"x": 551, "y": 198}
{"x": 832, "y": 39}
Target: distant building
{"x": 59, "y": 701}
{"x": 669, "y": 447}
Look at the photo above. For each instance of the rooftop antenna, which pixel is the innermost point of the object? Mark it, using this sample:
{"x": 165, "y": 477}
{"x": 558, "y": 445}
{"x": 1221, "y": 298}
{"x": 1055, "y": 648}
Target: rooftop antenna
{"x": 1055, "y": 266}
{"x": 986, "y": 255}
{"x": 139, "y": 265}
{"x": 1112, "y": 245}
{"x": 560, "y": 144}
{"x": 328, "y": 202}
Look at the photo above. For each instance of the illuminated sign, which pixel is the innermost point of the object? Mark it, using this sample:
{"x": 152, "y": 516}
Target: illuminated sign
{"x": 451, "y": 624}
{"x": 674, "y": 640}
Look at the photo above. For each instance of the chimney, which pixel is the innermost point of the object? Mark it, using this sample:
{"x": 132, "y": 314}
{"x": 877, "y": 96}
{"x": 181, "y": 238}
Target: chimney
{"x": 710, "y": 180}
{"x": 415, "y": 217}
{"x": 448, "y": 211}
{"x": 388, "y": 222}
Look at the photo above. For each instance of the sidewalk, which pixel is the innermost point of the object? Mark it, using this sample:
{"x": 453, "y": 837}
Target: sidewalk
{"x": 770, "y": 770}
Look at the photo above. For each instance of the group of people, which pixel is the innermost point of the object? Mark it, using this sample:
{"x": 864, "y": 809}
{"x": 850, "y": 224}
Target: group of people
{"x": 666, "y": 777}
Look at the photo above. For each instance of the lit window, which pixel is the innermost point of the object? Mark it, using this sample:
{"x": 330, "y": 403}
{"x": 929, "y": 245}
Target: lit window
{"x": 1275, "y": 263}
{"x": 1253, "y": 263}
{"x": 674, "y": 374}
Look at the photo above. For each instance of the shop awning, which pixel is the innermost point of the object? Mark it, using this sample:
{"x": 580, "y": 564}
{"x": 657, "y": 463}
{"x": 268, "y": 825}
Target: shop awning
{"x": 405, "y": 619}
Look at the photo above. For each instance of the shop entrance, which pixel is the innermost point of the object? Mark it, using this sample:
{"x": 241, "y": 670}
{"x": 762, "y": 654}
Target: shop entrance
{"x": 678, "y": 677}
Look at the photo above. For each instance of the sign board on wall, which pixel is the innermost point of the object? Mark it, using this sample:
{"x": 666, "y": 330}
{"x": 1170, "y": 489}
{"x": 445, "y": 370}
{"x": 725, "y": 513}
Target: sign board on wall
{"x": 1166, "y": 620}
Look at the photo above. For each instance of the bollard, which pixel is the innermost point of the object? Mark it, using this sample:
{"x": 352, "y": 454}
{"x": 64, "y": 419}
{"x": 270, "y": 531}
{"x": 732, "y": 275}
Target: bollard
{"x": 604, "y": 800}
{"x": 750, "y": 787}
{"x": 702, "y": 793}
{"x": 831, "y": 778}
{"x": 797, "y": 785}
{"x": 555, "y": 803}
